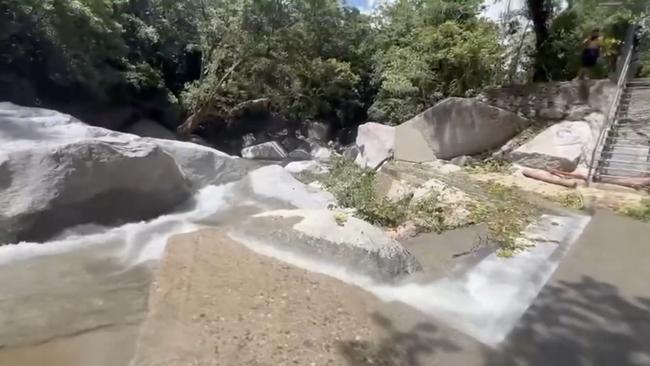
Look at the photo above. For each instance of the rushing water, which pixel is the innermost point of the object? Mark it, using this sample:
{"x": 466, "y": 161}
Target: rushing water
{"x": 484, "y": 301}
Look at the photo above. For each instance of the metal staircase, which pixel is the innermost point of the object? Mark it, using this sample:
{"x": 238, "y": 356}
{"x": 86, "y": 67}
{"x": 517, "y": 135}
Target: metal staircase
{"x": 623, "y": 146}
{"x": 626, "y": 150}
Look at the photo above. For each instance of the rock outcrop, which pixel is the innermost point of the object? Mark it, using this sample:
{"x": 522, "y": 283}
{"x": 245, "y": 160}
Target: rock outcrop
{"x": 48, "y": 188}
{"x": 563, "y": 145}
{"x": 203, "y": 165}
{"x": 560, "y": 146}
{"x": 553, "y": 101}
{"x": 299, "y": 154}
{"x": 319, "y": 235}
{"x": 306, "y": 167}
{"x": 376, "y": 143}
{"x": 57, "y": 172}
{"x": 455, "y": 127}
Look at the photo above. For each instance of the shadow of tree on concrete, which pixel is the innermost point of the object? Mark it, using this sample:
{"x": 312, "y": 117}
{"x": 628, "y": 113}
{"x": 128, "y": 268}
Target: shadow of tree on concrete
{"x": 399, "y": 348}
{"x": 583, "y": 323}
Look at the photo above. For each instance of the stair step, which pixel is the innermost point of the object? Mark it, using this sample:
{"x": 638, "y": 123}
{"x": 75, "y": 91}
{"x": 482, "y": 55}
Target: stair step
{"x": 625, "y": 146}
{"x": 627, "y": 162}
{"x": 617, "y": 153}
{"x": 630, "y": 130}
{"x": 626, "y": 170}
{"x": 638, "y": 82}
{"x": 639, "y": 140}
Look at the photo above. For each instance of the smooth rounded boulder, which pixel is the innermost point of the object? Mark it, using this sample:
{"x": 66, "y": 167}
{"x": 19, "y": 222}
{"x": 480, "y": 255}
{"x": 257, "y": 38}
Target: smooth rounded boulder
{"x": 455, "y": 127}
{"x": 57, "y": 172}
{"x": 376, "y": 143}
{"x": 47, "y": 189}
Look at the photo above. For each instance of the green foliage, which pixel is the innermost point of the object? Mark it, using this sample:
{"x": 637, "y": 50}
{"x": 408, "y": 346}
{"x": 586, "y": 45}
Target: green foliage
{"x": 309, "y": 58}
{"x": 560, "y": 36}
{"x": 640, "y": 212}
{"x": 427, "y": 215}
{"x": 506, "y": 212}
{"x": 644, "y": 44}
{"x": 572, "y": 200}
{"x": 312, "y": 59}
{"x": 429, "y": 50}
{"x": 354, "y": 187}
{"x": 101, "y": 48}
{"x": 490, "y": 165}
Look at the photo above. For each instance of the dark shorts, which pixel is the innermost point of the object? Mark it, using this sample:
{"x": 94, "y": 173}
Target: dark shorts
{"x": 590, "y": 57}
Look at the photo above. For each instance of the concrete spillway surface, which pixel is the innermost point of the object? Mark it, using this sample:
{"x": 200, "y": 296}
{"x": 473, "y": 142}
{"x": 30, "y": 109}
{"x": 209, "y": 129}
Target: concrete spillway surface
{"x": 96, "y": 278}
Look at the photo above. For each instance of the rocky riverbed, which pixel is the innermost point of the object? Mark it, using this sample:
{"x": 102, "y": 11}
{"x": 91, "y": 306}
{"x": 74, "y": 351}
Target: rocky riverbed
{"x": 240, "y": 264}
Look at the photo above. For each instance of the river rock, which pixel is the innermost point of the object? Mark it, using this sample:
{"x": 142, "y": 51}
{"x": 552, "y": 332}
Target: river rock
{"x": 318, "y": 131}
{"x": 46, "y": 189}
{"x": 351, "y": 152}
{"x": 455, "y": 127}
{"x": 267, "y": 151}
{"x": 320, "y": 153}
{"x": 376, "y": 143}
{"x": 560, "y": 146}
{"x": 331, "y": 238}
{"x": 57, "y": 172}
{"x": 306, "y": 167}
{"x": 204, "y": 165}
{"x": 299, "y": 154}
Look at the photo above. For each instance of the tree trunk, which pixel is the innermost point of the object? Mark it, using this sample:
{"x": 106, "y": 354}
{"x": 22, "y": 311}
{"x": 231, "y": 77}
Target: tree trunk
{"x": 195, "y": 119}
{"x": 539, "y": 13}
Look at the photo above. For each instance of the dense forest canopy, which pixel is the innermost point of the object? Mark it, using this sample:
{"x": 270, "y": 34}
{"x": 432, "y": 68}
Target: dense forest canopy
{"x": 208, "y": 60}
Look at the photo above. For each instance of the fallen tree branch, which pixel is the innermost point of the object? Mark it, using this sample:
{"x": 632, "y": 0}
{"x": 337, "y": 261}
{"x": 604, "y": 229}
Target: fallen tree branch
{"x": 194, "y": 120}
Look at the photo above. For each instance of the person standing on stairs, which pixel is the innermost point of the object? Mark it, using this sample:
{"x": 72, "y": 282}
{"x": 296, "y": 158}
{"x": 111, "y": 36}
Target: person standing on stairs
{"x": 590, "y": 53}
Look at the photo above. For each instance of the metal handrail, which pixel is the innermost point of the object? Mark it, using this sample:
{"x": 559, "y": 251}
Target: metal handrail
{"x": 613, "y": 109}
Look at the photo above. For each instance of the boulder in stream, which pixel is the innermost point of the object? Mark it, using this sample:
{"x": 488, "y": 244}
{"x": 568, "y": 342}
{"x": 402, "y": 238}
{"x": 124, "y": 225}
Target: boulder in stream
{"x": 376, "y": 143}
{"x": 47, "y": 188}
{"x": 57, "y": 172}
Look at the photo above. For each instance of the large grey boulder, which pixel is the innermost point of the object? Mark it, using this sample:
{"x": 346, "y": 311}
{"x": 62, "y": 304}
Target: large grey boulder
{"x": 203, "y": 165}
{"x": 306, "y": 167}
{"x": 331, "y": 238}
{"x": 376, "y": 143}
{"x": 57, "y": 172}
{"x": 46, "y": 189}
{"x": 267, "y": 151}
{"x": 563, "y": 145}
{"x": 455, "y": 127}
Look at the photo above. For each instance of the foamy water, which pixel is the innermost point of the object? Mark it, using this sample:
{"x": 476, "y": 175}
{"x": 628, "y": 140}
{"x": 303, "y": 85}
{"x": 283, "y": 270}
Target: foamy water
{"x": 143, "y": 241}
{"x": 485, "y": 302}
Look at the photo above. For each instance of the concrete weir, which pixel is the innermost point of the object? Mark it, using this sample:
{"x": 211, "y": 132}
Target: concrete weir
{"x": 484, "y": 300}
